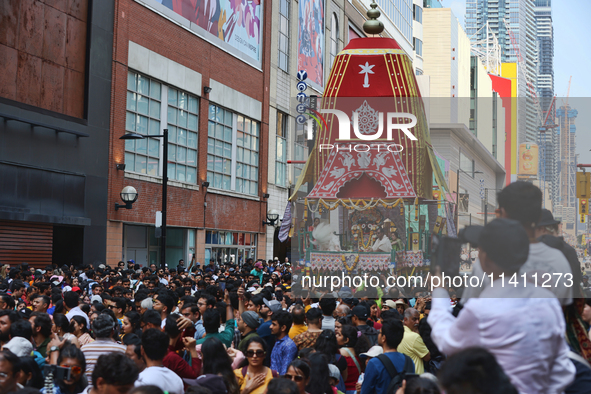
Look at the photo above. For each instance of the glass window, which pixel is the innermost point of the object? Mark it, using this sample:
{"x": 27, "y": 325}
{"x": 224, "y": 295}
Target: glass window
{"x": 226, "y": 136}
{"x": 183, "y": 112}
{"x": 231, "y": 247}
{"x": 400, "y": 13}
{"x": 142, "y": 117}
{"x": 417, "y": 13}
{"x": 334, "y": 39}
{"x": 284, "y": 35}
{"x": 174, "y": 237}
{"x": 144, "y": 106}
{"x": 300, "y": 154}
{"x": 418, "y": 46}
{"x": 281, "y": 151}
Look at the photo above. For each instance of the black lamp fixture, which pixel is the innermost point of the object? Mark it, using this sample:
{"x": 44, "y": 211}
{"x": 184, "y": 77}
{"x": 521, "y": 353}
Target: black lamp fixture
{"x": 205, "y": 184}
{"x": 272, "y": 217}
{"x": 206, "y": 89}
{"x": 128, "y": 196}
{"x": 266, "y": 195}
{"x": 120, "y": 166}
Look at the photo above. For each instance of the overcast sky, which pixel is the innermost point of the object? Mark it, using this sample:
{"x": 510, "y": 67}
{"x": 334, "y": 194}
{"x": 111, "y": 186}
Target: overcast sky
{"x": 572, "y": 32}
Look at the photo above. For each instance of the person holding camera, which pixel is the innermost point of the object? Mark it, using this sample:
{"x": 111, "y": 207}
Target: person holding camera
{"x": 64, "y": 373}
{"x": 509, "y": 319}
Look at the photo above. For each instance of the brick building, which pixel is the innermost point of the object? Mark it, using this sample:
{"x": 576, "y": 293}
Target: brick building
{"x": 208, "y": 84}
{"x": 55, "y": 57}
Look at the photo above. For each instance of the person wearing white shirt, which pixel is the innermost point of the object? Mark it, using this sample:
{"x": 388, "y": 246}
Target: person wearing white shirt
{"x": 154, "y": 349}
{"x": 71, "y": 302}
{"x": 522, "y": 201}
{"x": 522, "y": 325}
{"x": 382, "y": 243}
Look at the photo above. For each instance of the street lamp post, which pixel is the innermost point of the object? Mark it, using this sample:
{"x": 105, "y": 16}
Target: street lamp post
{"x": 164, "y": 136}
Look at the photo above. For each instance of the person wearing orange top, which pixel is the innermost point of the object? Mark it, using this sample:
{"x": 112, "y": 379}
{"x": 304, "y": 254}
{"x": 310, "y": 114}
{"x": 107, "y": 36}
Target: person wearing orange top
{"x": 299, "y": 318}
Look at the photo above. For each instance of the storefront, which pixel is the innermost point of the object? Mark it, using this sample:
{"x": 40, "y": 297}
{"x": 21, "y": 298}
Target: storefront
{"x": 141, "y": 245}
{"x": 229, "y": 246}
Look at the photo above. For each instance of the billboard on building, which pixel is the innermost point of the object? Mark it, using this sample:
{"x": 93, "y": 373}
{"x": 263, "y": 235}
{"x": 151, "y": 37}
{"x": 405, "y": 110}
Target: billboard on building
{"x": 311, "y": 40}
{"x": 235, "y": 22}
{"x": 528, "y": 159}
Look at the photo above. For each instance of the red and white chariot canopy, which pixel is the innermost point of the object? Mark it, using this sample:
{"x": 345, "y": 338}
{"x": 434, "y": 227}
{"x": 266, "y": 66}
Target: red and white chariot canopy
{"x": 375, "y": 173}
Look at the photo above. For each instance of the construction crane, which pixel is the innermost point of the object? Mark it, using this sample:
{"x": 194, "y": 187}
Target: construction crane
{"x": 487, "y": 49}
{"x": 568, "y": 91}
{"x": 547, "y": 126}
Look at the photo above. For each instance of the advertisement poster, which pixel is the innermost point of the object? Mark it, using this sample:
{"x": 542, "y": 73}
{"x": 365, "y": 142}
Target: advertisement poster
{"x": 528, "y": 159}
{"x": 236, "y": 22}
{"x": 311, "y": 39}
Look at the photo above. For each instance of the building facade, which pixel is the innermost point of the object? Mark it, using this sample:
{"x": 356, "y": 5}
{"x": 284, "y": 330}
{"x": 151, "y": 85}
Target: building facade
{"x": 567, "y": 117}
{"x": 330, "y": 26}
{"x": 549, "y": 138}
{"x": 326, "y": 25}
{"x": 545, "y": 43}
{"x": 207, "y": 83}
{"x": 473, "y": 171}
{"x": 55, "y": 86}
{"x": 513, "y": 22}
{"x": 417, "y": 35}
{"x": 462, "y": 100}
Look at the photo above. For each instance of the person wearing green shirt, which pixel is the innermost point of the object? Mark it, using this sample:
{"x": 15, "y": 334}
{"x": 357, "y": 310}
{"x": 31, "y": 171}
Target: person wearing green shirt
{"x": 41, "y": 323}
{"x": 397, "y": 243}
{"x": 211, "y": 323}
{"x": 258, "y": 271}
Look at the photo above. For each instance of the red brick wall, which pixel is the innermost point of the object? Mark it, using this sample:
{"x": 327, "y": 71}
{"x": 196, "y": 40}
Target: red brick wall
{"x": 114, "y": 243}
{"x": 43, "y": 53}
{"x": 134, "y": 22}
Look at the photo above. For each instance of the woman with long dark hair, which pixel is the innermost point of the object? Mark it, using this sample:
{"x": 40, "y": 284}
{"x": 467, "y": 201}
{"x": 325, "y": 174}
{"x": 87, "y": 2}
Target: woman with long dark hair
{"x": 327, "y": 345}
{"x": 347, "y": 340}
{"x": 31, "y": 373}
{"x": 319, "y": 375}
{"x": 217, "y": 361}
{"x": 299, "y": 372}
{"x": 61, "y": 327}
{"x": 131, "y": 324}
{"x": 374, "y": 314}
{"x": 69, "y": 357}
{"x": 254, "y": 377}
{"x": 78, "y": 328}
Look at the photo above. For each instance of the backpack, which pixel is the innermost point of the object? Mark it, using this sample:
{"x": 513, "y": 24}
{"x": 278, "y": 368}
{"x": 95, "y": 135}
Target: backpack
{"x": 397, "y": 377}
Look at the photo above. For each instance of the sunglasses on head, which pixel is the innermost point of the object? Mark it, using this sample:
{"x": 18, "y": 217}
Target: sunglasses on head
{"x": 252, "y": 353}
{"x": 295, "y": 378}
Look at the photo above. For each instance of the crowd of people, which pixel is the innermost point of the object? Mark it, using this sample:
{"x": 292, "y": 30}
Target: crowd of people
{"x": 243, "y": 329}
